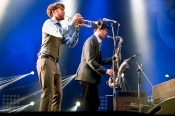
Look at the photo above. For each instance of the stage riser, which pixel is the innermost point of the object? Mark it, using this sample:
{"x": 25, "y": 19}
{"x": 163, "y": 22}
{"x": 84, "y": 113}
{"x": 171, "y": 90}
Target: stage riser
{"x": 163, "y": 91}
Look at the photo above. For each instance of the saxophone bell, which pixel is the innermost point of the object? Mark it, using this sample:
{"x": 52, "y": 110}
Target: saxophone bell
{"x": 120, "y": 74}
{"x": 110, "y": 82}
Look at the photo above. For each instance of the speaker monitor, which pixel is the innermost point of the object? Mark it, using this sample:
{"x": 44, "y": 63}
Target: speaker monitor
{"x": 163, "y": 91}
{"x": 128, "y": 100}
{"x": 166, "y": 107}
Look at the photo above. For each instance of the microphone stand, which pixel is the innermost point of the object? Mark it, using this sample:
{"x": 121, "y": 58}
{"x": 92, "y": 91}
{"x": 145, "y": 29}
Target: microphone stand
{"x": 114, "y": 66}
{"x": 139, "y": 69}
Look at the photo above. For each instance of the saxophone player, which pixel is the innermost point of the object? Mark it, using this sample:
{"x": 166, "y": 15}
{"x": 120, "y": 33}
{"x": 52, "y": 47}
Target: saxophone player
{"x": 91, "y": 68}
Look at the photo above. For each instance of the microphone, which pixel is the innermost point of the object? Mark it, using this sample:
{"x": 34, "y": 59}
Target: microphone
{"x": 109, "y": 20}
{"x": 132, "y": 57}
{"x": 116, "y": 37}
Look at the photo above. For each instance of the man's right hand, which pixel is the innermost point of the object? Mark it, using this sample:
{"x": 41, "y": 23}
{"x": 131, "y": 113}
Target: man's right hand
{"x": 109, "y": 72}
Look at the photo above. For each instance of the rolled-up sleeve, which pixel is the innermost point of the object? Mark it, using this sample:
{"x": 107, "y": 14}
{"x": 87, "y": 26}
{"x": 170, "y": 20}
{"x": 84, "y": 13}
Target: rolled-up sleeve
{"x": 68, "y": 33}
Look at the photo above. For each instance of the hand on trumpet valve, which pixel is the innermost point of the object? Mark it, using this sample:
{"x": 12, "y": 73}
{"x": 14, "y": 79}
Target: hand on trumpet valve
{"x": 77, "y": 18}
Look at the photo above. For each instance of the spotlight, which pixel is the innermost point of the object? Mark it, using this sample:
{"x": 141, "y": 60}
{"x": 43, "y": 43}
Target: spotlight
{"x": 77, "y": 104}
{"x": 167, "y": 75}
{"x": 32, "y": 73}
{"x": 32, "y": 103}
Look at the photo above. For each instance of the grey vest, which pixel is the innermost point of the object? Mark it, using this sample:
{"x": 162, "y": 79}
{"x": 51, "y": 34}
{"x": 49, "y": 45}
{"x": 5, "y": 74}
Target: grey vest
{"x": 51, "y": 45}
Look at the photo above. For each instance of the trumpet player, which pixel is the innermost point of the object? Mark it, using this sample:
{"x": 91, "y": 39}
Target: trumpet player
{"x": 53, "y": 37}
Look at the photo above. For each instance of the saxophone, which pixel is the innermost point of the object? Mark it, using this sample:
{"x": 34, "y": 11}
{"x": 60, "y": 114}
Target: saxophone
{"x": 121, "y": 69}
{"x": 117, "y": 57}
{"x": 118, "y": 52}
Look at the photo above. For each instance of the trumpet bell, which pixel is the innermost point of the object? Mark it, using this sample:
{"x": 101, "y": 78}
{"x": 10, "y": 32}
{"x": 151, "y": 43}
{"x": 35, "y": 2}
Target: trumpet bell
{"x": 99, "y": 23}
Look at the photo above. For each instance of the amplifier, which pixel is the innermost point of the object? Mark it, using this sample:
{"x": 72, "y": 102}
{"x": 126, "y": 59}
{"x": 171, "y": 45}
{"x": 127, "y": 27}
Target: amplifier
{"x": 128, "y": 100}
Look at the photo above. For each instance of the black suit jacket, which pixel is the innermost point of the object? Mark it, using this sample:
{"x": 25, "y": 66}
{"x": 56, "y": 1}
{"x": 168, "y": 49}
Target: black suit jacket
{"x": 90, "y": 68}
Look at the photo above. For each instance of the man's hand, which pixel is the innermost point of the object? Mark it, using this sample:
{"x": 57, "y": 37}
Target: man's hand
{"x": 109, "y": 72}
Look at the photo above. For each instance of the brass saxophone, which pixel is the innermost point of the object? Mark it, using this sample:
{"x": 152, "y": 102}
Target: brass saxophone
{"x": 118, "y": 52}
{"x": 121, "y": 69}
{"x": 117, "y": 57}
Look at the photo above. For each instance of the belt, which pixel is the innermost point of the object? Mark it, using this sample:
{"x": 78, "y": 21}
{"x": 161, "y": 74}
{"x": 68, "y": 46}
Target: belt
{"x": 48, "y": 57}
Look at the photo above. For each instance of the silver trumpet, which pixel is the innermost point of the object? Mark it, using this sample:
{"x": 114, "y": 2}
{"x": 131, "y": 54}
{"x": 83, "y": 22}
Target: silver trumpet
{"x": 88, "y": 23}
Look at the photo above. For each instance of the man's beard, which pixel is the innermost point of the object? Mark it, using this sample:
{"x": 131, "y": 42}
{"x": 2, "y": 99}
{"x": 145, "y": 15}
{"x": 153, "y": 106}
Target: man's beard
{"x": 60, "y": 18}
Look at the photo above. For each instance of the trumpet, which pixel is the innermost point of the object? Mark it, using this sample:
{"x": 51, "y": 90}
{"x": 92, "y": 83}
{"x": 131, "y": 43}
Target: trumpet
{"x": 88, "y": 23}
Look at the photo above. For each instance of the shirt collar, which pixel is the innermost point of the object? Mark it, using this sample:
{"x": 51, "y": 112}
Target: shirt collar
{"x": 55, "y": 21}
{"x": 99, "y": 40}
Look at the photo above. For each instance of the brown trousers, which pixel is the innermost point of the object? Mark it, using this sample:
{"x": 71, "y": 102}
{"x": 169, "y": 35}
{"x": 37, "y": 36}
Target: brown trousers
{"x": 51, "y": 85}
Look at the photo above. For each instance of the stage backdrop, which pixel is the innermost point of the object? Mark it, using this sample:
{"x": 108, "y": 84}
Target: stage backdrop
{"x": 146, "y": 26}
